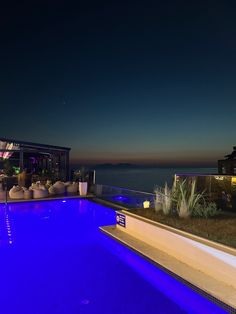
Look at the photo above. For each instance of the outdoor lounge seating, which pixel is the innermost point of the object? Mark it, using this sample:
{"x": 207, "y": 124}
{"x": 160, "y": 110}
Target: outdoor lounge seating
{"x": 40, "y": 193}
{"x": 72, "y": 187}
{"x": 39, "y": 190}
{"x": 28, "y": 194}
{"x": 51, "y": 190}
{"x": 59, "y": 187}
{"x": 48, "y": 184}
{"x": 16, "y": 193}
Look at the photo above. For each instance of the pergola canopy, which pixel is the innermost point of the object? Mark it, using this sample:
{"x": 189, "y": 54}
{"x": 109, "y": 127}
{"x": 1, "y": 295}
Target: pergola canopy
{"x": 36, "y": 157}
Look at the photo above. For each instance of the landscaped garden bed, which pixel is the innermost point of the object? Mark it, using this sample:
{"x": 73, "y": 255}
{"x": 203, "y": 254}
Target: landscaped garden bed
{"x": 220, "y": 228}
{"x": 183, "y": 208}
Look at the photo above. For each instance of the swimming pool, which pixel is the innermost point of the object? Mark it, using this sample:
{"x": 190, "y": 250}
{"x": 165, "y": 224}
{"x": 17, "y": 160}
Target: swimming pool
{"x": 54, "y": 259}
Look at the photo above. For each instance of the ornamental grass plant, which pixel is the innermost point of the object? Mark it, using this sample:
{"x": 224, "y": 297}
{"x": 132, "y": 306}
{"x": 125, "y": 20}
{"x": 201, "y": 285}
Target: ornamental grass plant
{"x": 184, "y": 200}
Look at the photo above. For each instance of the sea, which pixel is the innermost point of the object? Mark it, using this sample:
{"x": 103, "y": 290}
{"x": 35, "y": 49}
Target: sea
{"x": 144, "y": 179}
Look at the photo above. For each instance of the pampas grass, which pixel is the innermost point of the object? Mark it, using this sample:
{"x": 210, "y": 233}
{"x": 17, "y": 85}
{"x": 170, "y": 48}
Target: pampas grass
{"x": 163, "y": 199}
{"x": 188, "y": 198}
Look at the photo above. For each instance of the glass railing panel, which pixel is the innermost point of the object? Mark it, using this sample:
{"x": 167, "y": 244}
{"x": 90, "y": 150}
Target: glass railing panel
{"x": 124, "y": 197}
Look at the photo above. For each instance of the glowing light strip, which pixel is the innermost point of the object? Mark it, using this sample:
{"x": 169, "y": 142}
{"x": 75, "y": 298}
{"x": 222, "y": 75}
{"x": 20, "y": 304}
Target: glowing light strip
{"x": 8, "y": 227}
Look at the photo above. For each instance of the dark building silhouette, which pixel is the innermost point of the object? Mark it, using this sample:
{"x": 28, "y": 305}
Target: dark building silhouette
{"x": 228, "y": 165}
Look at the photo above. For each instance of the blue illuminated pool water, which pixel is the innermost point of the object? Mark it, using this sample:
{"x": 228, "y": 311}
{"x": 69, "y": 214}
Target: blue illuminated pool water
{"x": 53, "y": 259}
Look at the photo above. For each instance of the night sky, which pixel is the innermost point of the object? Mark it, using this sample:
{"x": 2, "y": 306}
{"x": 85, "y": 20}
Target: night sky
{"x": 150, "y": 82}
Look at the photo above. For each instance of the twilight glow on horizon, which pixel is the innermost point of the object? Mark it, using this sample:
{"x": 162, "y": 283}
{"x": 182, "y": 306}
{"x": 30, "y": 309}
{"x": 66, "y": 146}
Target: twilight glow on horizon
{"x": 141, "y": 82}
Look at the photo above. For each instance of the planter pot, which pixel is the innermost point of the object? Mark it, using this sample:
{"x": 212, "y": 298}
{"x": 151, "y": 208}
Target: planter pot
{"x": 83, "y": 188}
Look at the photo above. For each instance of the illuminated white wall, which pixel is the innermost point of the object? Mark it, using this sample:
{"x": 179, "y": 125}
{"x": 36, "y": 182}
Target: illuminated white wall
{"x": 207, "y": 259}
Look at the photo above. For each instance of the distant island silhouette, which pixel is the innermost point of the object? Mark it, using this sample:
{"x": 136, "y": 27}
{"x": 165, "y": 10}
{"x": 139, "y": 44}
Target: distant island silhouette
{"x": 119, "y": 165}
{"x": 140, "y": 166}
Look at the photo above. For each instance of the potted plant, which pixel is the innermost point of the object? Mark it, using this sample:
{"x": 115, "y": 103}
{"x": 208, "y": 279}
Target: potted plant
{"x": 83, "y": 184}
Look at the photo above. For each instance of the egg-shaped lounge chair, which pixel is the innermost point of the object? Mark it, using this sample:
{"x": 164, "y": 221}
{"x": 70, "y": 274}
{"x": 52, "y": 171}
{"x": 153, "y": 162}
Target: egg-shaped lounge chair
{"x": 51, "y": 190}
{"x": 72, "y": 187}
{"x": 39, "y": 190}
{"x": 16, "y": 193}
{"x": 59, "y": 187}
{"x": 40, "y": 193}
{"x": 28, "y": 194}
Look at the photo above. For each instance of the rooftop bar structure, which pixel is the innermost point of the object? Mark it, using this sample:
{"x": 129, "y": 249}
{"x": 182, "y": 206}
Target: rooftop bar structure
{"x": 38, "y": 159}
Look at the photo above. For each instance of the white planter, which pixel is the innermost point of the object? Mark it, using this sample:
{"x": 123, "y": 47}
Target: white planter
{"x": 83, "y": 188}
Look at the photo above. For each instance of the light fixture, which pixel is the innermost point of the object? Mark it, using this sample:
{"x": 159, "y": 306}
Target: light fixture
{"x": 146, "y": 204}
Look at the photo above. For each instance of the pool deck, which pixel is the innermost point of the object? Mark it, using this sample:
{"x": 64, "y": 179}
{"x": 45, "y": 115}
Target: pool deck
{"x": 213, "y": 289}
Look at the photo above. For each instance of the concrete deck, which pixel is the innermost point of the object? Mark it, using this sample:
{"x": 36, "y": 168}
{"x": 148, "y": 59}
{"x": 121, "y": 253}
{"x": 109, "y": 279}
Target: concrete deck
{"x": 203, "y": 282}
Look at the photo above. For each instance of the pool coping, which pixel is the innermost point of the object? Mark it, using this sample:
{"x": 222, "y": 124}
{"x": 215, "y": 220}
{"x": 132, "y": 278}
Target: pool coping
{"x": 140, "y": 250}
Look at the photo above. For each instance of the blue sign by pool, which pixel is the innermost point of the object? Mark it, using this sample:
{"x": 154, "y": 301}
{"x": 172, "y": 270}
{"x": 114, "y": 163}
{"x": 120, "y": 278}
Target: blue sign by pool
{"x": 120, "y": 219}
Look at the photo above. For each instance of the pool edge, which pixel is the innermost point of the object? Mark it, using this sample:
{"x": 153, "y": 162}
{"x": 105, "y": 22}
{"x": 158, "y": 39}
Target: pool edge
{"x": 216, "y": 300}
